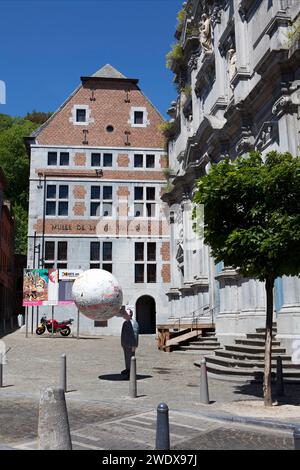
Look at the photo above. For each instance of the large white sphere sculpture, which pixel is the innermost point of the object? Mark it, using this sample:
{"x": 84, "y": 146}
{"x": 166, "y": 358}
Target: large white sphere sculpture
{"x": 97, "y": 294}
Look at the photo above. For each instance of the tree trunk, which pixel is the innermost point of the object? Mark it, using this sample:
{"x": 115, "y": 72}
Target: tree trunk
{"x": 269, "y": 285}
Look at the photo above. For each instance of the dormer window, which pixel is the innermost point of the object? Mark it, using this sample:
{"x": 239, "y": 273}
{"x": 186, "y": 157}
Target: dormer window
{"x": 80, "y": 115}
{"x": 138, "y": 117}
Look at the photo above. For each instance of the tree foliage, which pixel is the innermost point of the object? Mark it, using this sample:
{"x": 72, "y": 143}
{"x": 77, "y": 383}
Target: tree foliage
{"x": 15, "y": 163}
{"x": 252, "y": 223}
{"x": 252, "y": 214}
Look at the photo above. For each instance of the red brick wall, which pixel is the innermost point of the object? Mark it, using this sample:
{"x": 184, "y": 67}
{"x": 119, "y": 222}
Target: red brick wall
{"x": 79, "y": 192}
{"x": 79, "y": 208}
{"x": 107, "y": 174}
{"x": 163, "y": 160}
{"x": 109, "y": 108}
{"x": 165, "y": 251}
{"x": 80, "y": 159}
{"x": 123, "y": 159}
{"x": 6, "y": 248}
{"x": 166, "y": 273}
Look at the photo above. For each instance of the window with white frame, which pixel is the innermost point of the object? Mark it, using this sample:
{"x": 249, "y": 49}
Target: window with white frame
{"x": 62, "y": 159}
{"x": 144, "y": 161}
{"x": 101, "y": 201}
{"x": 144, "y": 201}
{"x": 57, "y": 200}
{"x": 138, "y": 117}
{"x": 101, "y": 256}
{"x": 145, "y": 262}
{"x": 98, "y": 159}
{"x": 56, "y": 255}
{"x": 81, "y": 115}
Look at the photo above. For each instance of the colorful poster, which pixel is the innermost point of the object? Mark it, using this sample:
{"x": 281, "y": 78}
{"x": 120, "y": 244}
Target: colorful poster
{"x": 40, "y": 287}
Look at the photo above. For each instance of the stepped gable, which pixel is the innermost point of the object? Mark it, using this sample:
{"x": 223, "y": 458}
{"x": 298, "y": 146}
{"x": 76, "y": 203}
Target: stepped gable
{"x": 110, "y": 98}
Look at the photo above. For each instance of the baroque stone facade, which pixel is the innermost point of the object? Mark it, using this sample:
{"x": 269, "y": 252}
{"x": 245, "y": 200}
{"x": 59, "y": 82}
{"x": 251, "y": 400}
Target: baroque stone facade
{"x": 239, "y": 90}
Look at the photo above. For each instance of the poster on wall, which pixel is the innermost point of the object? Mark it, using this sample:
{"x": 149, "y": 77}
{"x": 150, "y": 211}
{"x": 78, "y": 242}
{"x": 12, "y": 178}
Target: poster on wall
{"x": 66, "y": 280}
{"x": 40, "y": 287}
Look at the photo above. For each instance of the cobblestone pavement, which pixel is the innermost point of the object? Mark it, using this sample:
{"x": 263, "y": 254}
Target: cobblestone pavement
{"x": 101, "y": 414}
{"x": 187, "y": 432}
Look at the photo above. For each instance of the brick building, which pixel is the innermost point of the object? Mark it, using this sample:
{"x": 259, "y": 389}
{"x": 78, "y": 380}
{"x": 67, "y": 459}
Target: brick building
{"x": 96, "y": 178}
{"x": 6, "y": 258}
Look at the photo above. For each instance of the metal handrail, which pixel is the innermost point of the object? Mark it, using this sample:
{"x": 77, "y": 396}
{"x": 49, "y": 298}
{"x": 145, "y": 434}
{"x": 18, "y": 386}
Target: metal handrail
{"x": 196, "y": 315}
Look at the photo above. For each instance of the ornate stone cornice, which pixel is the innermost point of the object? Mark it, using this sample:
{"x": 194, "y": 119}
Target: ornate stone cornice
{"x": 283, "y": 105}
{"x": 228, "y": 274}
{"x": 216, "y": 15}
{"x": 267, "y": 134}
{"x": 193, "y": 62}
{"x": 245, "y": 144}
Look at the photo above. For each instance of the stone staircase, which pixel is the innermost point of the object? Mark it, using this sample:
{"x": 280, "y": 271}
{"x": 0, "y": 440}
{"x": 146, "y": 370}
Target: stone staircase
{"x": 245, "y": 359}
{"x": 205, "y": 345}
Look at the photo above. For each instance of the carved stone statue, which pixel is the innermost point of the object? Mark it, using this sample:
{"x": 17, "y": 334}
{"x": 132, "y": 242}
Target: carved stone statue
{"x": 231, "y": 57}
{"x": 205, "y": 33}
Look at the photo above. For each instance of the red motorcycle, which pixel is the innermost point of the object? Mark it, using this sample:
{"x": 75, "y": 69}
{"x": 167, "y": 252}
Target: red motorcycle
{"x": 58, "y": 327}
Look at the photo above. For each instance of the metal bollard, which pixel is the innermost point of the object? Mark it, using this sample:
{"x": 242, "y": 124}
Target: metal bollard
{"x": 132, "y": 381}
{"x": 162, "y": 428}
{"x": 1, "y": 370}
{"x": 279, "y": 378}
{"x": 297, "y": 437}
{"x": 63, "y": 373}
{"x": 204, "y": 395}
{"x": 53, "y": 426}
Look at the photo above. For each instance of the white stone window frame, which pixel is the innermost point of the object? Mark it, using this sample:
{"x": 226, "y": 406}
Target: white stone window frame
{"x": 100, "y": 260}
{"x": 101, "y": 203}
{"x": 144, "y": 202}
{"x": 134, "y": 109}
{"x": 55, "y": 261}
{"x": 145, "y": 262}
{"x": 57, "y": 200}
{"x": 89, "y": 119}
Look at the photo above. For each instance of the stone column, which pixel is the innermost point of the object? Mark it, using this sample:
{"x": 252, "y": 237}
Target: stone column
{"x": 172, "y": 251}
{"x": 291, "y": 295}
{"x": 188, "y": 240}
{"x": 288, "y": 318}
{"x": 227, "y": 319}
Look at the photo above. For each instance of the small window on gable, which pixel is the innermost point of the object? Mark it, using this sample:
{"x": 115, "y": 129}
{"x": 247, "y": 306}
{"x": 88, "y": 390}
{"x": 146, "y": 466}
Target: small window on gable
{"x": 138, "y": 117}
{"x": 80, "y": 115}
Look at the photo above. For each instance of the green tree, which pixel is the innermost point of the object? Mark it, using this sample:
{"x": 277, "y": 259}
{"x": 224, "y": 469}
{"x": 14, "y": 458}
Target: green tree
{"x": 38, "y": 117}
{"x": 15, "y": 163}
{"x": 252, "y": 223}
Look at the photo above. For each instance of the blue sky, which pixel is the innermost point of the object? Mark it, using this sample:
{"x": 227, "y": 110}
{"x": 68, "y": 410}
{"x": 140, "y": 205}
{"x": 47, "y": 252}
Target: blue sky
{"x": 47, "y": 45}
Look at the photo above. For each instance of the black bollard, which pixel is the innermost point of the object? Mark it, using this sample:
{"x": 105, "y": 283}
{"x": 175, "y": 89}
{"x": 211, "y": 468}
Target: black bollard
{"x": 1, "y": 370}
{"x": 204, "y": 395}
{"x": 162, "y": 428}
{"x": 279, "y": 378}
{"x": 63, "y": 373}
{"x": 297, "y": 437}
{"x": 132, "y": 381}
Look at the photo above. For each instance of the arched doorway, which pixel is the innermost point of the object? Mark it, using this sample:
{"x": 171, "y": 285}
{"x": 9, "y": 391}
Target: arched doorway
{"x": 145, "y": 314}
